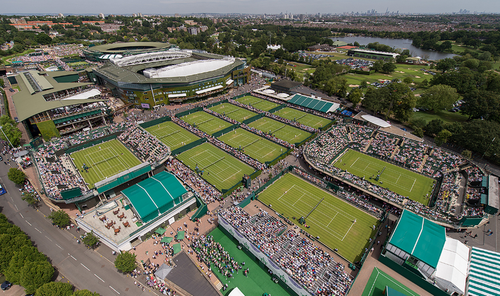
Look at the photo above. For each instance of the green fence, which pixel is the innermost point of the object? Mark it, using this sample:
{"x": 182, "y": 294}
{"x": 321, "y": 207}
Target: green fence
{"x": 187, "y": 112}
{"x": 324, "y": 128}
{"x": 246, "y": 201}
{"x": 226, "y": 130}
{"x": 273, "y": 179}
{"x": 306, "y": 140}
{"x": 123, "y": 179}
{"x": 241, "y": 96}
{"x": 252, "y": 119}
{"x": 202, "y": 209}
{"x": 277, "y": 108}
{"x": 280, "y": 157}
{"x": 188, "y": 146}
{"x": 145, "y": 125}
{"x": 91, "y": 143}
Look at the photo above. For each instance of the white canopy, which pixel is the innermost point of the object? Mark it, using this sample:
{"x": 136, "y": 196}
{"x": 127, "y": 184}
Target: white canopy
{"x": 451, "y": 270}
{"x": 208, "y": 89}
{"x": 236, "y": 292}
{"x": 376, "y": 120}
{"x": 177, "y": 95}
{"x": 84, "y": 95}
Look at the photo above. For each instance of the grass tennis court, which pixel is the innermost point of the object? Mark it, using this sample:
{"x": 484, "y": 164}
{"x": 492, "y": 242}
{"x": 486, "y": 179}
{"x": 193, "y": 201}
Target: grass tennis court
{"x": 397, "y": 179}
{"x": 172, "y": 135}
{"x": 260, "y": 104}
{"x": 253, "y": 145}
{"x": 280, "y": 130}
{"x": 233, "y": 112}
{"x": 379, "y": 280}
{"x": 206, "y": 122}
{"x": 103, "y": 160}
{"x": 219, "y": 168}
{"x": 303, "y": 117}
{"x": 338, "y": 224}
{"x": 258, "y": 281}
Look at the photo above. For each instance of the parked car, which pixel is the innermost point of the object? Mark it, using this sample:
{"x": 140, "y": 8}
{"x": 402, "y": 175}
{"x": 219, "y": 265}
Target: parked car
{"x": 6, "y": 285}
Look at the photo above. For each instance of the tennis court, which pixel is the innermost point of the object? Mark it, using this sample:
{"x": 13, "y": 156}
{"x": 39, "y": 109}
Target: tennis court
{"x": 280, "y": 130}
{"x": 216, "y": 166}
{"x": 103, "y": 161}
{"x": 172, "y": 135}
{"x": 234, "y": 112}
{"x": 338, "y": 224}
{"x": 260, "y": 104}
{"x": 253, "y": 145}
{"x": 206, "y": 122}
{"x": 402, "y": 181}
{"x": 311, "y": 120}
{"x": 379, "y": 280}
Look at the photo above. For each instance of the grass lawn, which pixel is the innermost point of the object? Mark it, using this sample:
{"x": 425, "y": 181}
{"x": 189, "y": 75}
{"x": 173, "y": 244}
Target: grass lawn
{"x": 257, "y": 103}
{"x": 234, "y": 112}
{"x": 258, "y": 282}
{"x": 402, "y": 71}
{"x": 379, "y": 280}
{"x": 219, "y": 168}
{"x": 445, "y": 116}
{"x": 280, "y": 130}
{"x": 104, "y": 160}
{"x": 333, "y": 220}
{"x": 394, "y": 178}
{"x": 303, "y": 117}
{"x": 206, "y": 122}
{"x": 253, "y": 145}
{"x": 172, "y": 135}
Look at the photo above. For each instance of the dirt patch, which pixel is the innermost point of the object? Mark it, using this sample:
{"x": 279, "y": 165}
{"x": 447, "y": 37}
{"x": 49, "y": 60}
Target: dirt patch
{"x": 400, "y": 72}
{"x": 426, "y": 73}
{"x": 353, "y": 85}
{"x": 417, "y": 77}
{"x": 417, "y": 95}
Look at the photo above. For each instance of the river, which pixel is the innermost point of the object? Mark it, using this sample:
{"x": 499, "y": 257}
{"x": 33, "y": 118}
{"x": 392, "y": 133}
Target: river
{"x": 398, "y": 43}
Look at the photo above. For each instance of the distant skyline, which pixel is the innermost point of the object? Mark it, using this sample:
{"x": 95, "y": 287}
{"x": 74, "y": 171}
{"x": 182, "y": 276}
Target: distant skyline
{"x": 243, "y": 6}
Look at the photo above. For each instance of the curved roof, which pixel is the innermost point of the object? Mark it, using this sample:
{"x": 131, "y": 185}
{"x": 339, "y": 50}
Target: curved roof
{"x": 376, "y": 120}
{"x": 122, "y": 47}
{"x": 188, "y": 69}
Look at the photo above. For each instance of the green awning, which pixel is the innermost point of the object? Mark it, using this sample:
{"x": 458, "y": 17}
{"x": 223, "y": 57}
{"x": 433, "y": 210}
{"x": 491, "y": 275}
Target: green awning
{"x": 180, "y": 235}
{"x": 177, "y": 248}
{"x": 160, "y": 231}
{"x": 484, "y": 199}
{"x": 166, "y": 240}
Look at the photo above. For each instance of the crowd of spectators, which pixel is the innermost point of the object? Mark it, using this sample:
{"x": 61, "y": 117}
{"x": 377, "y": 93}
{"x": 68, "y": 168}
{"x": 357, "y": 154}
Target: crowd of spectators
{"x": 383, "y": 144}
{"x": 146, "y": 146}
{"x": 411, "y": 154}
{"x": 211, "y": 253}
{"x": 328, "y": 145}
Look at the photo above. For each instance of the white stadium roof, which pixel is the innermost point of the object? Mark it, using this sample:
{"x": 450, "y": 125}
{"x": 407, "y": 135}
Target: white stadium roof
{"x": 451, "y": 270}
{"x": 188, "y": 69}
{"x": 376, "y": 120}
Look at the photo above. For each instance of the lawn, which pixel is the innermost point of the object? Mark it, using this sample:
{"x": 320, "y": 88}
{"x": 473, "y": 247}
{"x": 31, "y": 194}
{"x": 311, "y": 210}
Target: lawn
{"x": 396, "y": 179}
{"x": 311, "y": 120}
{"x": 172, "y": 135}
{"x": 253, "y": 145}
{"x": 258, "y": 282}
{"x": 206, "y": 122}
{"x": 338, "y": 224}
{"x": 379, "y": 280}
{"x": 103, "y": 161}
{"x": 218, "y": 168}
{"x": 280, "y": 130}
{"x": 402, "y": 71}
{"x": 257, "y": 103}
{"x": 445, "y": 116}
{"x": 234, "y": 112}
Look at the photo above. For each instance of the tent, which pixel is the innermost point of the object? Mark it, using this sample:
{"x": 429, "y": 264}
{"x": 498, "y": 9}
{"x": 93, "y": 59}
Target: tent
{"x": 451, "y": 270}
{"x": 180, "y": 235}
{"x": 163, "y": 271}
{"x": 237, "y": 292}
{"x": 166, "y": 240}
{"x": 160, "y": 231}
{"x": 177, "y": 248}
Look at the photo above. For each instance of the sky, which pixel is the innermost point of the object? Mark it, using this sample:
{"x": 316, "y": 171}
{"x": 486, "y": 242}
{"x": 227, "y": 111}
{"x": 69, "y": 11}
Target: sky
{"x": 242, "y": 6}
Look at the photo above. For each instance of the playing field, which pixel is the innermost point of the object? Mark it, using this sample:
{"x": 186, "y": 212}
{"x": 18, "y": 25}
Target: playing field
{"x": 338, "y": 224}
{"x": 397, "y": 179}
{"x": 103, "y": 161}
{"x": 257, "y": 103}
{"x": 219, "y": 168}
{"x": 206, "y": 122}
{"x": 233, "y": 111}
{"x": 303, "y": 117}
{"x": 254, "y": 146}
{"x": 172, "y": 135}
{"x": 379, "y": 280}
{"x": 280, "y": 130}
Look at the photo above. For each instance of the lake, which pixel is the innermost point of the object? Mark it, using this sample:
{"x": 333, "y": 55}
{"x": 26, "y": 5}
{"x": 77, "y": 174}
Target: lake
{"x": 397, "y": 43}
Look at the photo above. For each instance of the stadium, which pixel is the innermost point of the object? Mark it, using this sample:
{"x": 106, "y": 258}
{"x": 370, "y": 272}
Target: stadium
{"x": 105, "y": 52}
{"x": 160, "y": 77}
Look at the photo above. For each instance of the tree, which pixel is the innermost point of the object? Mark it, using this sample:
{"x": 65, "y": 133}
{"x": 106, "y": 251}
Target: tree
{"x": 355, "y": 96}
{"x": 377, "y": 66}
{"x": 90, "y": 240}
{"x": 21, "y": 257}
{"x": 85, "y": 293}
{"x": 467, "y": 154}
{"x": 389, "y": 68}
{"x": 17, "y": 176}
{"x": 439, "y": 97}
{"x": 55, "y": 289}
{"x": 35, "y": 274}
{"x": 434, "y": 127}
{"x": 60, "y": 218}
{"x": 446, "y": 64}
{"x": 442, "y": 137}
{"x": 408, "y": 80}
{"x": 10, "y": 243}
{"x": 125, "y": 262}
{"x": 336, "y": 86}
{"x": 419, "y": 132}
{"x": 30, "y": 199}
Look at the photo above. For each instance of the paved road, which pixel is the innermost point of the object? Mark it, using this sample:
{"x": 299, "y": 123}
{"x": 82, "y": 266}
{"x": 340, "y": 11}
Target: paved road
{"x": 83, "y": 268}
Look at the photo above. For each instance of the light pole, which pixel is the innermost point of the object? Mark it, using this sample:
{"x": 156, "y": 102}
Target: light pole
{"x": 1, "y": 128}
{"x": 488, "y": 147}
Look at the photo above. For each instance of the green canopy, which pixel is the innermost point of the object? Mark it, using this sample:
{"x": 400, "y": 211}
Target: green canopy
{"x": 180, "y": 235}
{"x": 166, "y": 240}
{"x": 160, "y": 231}
{"x": 177, "y": 248}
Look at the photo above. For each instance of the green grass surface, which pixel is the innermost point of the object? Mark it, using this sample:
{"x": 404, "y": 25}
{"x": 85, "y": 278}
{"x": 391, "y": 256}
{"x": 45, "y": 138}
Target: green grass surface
{"x": 394, "y": 178}
{"x": 303, "y": 117}
{"x": 172, "y": 135}
{"x": 233, "y": 112}
{"x": 104, "y": 160}
{"x": 206, "y": 122}
{"x": 280, "y": 130}
{"x": 402, "y": 71}
{"x": 379, "y": 280}
{"x": 445, "y": 116}
{"x": 257, "y": 103}
{"x": 333, "y": 220}
{"x": 258, "y": 282}
{"x": 220, "y": 169}
{"x": 253, "y": 145}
